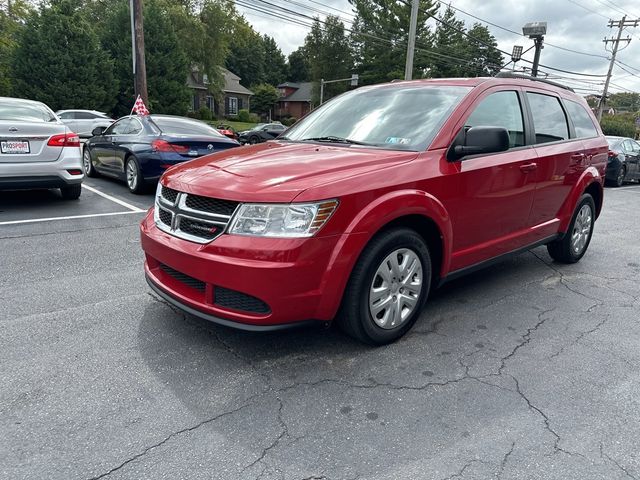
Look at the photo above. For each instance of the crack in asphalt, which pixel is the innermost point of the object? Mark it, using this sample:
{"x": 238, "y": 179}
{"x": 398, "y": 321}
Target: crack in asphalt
{"x": 170, "y": 436}
{"x": 460, "y": 472}
{"x": 581, "y": 336}
{"x": 604, "y": 454}
{"x": 504, "y": 461}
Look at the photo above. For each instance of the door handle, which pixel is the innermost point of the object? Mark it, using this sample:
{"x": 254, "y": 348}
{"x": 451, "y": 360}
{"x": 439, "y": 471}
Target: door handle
{"x": 528, "y": 167}
{"x": 577, "y": 157}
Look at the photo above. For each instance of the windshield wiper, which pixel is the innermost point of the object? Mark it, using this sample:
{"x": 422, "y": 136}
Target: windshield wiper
{"x": 334, "y": 139}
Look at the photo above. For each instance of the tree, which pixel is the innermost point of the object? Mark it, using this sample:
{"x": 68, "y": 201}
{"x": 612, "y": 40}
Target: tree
{"x": 58, "y": 60}
{"x": 298, "y": 66}
{"x": 380, "y": 34}
{"x": 12, "y": 19}
{"x": 328, "y": 55}
{"x": 625, "y": 101}
{"x": 482, "y": 51}
{"x": 449, "y": 46}
{"x": 275, "y": 63}
{"x": 264, "y": 98}
{"x": 246, "y": 53}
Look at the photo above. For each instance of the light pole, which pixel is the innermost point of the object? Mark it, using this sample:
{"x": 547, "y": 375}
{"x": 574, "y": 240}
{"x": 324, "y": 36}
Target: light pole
{"x": 353, "y": 79}
{"x": 536, "y": 31}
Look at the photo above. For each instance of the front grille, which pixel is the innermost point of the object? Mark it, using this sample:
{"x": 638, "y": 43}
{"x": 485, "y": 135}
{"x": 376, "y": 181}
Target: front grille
{"x": 211, "y": 205}
{"x": 192, "y": 217}
{"x": 165, "y": 216}
{"x": 184, "y": 278}
{"x": 234, "y": 300}
{"x": 170, "y": 194}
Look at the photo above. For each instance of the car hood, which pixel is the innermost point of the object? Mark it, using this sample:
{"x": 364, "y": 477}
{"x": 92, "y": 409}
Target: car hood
{"x": 276, "y": 171}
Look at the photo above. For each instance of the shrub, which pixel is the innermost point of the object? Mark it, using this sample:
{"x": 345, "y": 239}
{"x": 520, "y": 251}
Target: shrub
{"x": 205, "y": 114}
{"x": 254, "y": 118}
{"x": 244, "y": 115}
{"x": 620, "y": 127}
{"x": 289, "y": 121}
{"x": 193, "y": 115}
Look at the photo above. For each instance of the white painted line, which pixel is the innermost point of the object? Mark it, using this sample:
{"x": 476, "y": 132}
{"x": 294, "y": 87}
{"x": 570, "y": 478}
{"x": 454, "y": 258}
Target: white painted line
{"x": 72, "y": 217}
{"x": 113, "y": 199}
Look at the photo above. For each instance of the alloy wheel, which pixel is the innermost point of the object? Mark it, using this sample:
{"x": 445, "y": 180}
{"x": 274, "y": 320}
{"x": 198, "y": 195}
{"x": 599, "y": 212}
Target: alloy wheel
{"x": 581, "y": 229}
{"x": 132, "y": 174}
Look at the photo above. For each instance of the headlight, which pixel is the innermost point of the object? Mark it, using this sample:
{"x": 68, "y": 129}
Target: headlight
{"x": 293, "y": 220}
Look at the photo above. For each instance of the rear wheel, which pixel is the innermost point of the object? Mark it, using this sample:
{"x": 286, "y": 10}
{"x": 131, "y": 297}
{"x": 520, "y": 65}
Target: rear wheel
{"x": 89, "y": 170}
{"x": 388, "y": 288}
{"x": 135, "y": 182}
{"x": 254, "y": 139}
{"x": 572, "y": 247}
{"x": 622, "y": 172}
{"x": 71, "y": 192}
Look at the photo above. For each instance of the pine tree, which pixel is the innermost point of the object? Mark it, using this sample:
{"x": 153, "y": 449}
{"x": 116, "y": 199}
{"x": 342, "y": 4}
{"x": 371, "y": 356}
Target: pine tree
{"x": 482, "y": 51}
{"x": 246, "y": 54}
{"x": 58, "y": 60}
{"x": 449, "y": 47}
{"x": 275, "y": 63}
{"x": 298, "y": 66}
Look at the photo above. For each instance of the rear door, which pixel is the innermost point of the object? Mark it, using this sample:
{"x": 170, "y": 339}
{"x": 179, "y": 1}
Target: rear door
{"x": 632, "y": 152}
{"x": 84, "y": 123}
{"x": 561, "y": 159}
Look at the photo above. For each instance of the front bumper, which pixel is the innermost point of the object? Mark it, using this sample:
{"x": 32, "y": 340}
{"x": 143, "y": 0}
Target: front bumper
{"x": 289, "y": 277}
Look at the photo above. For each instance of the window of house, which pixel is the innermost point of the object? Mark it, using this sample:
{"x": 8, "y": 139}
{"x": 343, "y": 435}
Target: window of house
{"x": 195, "y": 106}
{"x": 233, "y": 106}
{"x": 500, "y": 109}
{"x": 581, "y": 120}
{"x": 205, "y": 79}
{"x": 210, "y": 102}
{"x": 549, "y": 120}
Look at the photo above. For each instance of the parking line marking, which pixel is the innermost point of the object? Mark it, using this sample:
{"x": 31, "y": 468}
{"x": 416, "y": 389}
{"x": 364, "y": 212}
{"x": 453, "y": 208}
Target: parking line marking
{"x": 113, "y": 199}
{"x": 71, "y": 217}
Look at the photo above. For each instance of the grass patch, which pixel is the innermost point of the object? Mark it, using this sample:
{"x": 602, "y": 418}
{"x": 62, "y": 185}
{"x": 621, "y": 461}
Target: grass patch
{"x": 237, "y": 126}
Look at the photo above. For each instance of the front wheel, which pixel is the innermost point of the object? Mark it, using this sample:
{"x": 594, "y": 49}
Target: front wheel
{"x": 572, "y": 247}
{"x": 253, "y": 140}
{"x": 388, "y": 287}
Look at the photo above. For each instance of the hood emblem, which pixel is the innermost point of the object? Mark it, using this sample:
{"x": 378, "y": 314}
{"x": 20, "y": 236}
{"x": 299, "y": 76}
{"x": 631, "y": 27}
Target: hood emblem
{"x": 210, "y": 146}
{"x": 13, "y": 129}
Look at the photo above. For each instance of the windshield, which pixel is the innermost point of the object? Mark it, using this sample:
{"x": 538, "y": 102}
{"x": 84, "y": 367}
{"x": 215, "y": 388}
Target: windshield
{"x": 25, "y": 111}
{"x": 259, "y": 126}
{"x": 614, "y": 142}
{"x": 179, "y": 126}
{"x": 395, "y": 117}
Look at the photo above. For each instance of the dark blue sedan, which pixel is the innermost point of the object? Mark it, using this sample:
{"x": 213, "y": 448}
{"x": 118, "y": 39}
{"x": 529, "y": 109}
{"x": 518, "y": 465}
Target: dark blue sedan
{"x": 138, "y": 149}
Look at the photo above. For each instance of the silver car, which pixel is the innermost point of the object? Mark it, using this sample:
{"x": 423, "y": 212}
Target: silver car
{"x": 83, "y": 122}
{"x": 37, "y": 150}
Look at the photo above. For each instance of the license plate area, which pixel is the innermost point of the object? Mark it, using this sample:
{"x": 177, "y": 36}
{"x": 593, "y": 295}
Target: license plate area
{"x": 13, "y": 147}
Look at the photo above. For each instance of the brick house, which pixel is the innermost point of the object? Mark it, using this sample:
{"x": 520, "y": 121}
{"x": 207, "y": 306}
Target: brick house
{"x": 235, "y": 96}
{"x": 295, "y": 99}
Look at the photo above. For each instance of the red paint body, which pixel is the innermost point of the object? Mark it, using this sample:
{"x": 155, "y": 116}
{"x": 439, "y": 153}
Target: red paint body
{"x": 483, "y": 207}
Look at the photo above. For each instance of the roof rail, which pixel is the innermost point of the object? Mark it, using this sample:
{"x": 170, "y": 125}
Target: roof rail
{"x": 535, "y": 79}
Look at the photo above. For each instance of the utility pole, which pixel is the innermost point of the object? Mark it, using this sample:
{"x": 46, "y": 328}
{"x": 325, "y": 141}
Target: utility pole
{"x": 411, "y": 44}
{"x": 137, "y": 46}
{"x": 621, "y": 24}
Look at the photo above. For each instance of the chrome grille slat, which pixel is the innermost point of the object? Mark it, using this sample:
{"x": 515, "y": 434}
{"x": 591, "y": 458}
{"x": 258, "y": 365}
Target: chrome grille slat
{"x": 178, "y": 215}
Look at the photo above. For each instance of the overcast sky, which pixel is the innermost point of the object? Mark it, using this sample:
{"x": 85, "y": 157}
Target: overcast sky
{"x": 574, "y": 24}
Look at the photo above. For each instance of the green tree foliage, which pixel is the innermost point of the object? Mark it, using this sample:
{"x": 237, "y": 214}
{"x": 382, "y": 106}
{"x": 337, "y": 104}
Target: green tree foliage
{"x": 246, "y": 53}
{"x": 298, "y": 66}
{"x": 619, "y": 125}
{"x": 328, "y": 55}
{"x": 58, "y": 60}
{"x": 482, "y": 51}
{"x": 380, "y": 34}
{"x": 275, "y": 63}
{"x": 264, "y": 98}
{"x": 12, "y": 19}
{"x": 449, "y": 45}
{"x": 626, "y": 101}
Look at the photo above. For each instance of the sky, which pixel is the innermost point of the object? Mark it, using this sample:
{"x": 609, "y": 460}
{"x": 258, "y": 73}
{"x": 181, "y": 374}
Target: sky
{"x": 579, "y": 25}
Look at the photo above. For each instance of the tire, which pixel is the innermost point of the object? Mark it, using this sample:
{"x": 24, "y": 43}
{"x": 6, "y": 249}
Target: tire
{"x": 133, "y": 176}
{"x": 366, "y": 320}
{"x": 253, "y": 140}
{"x": 622, "y": 172}
{"x": 570, "y": 249}
{"x": 71, "y": 192}
{"x": 89, "y": 169}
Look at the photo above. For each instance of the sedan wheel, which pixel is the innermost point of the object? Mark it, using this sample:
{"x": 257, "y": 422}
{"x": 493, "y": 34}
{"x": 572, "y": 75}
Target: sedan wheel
{"x": 622, "y": 172}
{"x": 253, "y": 140}
{"x": 88, "y": 166}
{"x": 134, "y": 179}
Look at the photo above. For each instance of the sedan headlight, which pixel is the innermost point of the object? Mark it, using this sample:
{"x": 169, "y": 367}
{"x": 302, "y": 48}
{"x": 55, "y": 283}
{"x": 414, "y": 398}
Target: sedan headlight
{"x": 293, "y": 220}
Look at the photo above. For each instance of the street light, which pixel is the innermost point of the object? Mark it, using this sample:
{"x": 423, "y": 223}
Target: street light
{"x": 536, "y": 31}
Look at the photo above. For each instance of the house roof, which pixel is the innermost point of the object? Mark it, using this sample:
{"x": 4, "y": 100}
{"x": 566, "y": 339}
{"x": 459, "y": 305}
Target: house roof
{"x": 192, "y": 82}
{"x": 301, "y": 94}
{"x": 231, "y": 82}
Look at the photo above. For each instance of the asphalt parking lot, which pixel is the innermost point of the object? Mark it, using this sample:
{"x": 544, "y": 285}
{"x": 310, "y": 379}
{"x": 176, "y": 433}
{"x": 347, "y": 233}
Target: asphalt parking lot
{"x": 526, "y": 370}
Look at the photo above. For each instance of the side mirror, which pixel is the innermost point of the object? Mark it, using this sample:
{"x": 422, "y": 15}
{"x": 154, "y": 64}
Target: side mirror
{"x": 479, "y": 140}
{"x": 96, "y": 132}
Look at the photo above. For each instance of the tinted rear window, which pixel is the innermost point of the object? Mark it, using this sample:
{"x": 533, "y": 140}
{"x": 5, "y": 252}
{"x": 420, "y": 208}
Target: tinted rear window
{"x": 29, "y": 112}
{"x": 549, "y": 119}
{"x": 614, "y": 142}
{"x": 184, "y": 127}
{"x": 581, "y": 120}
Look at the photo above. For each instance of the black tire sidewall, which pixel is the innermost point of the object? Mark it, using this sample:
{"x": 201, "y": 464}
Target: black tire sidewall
{"x": 618, "y": 181}
{"x": 368, "y": 264}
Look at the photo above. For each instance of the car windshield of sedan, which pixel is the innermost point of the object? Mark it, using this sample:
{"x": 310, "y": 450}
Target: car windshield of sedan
{"x": 394, "y": 117}
{"x": 178, "y": 126}
{"x": 614, "y": 142}
{"x": 29, "y": 112}
{"x": 259, "y": 126}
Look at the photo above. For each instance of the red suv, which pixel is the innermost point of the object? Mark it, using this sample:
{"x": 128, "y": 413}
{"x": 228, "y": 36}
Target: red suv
{"x": 373, "y": 199}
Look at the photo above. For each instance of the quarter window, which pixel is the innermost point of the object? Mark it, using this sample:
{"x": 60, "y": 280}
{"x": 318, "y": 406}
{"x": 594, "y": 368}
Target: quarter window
{"x": 549, "y": 120}
{"x": 581, "y": 120}
{"x": 500, "y": 109}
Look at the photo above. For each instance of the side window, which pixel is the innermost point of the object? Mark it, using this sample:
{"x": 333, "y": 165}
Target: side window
{"x": 636, "y": 147}
{"x": 134, "y": 127}
{"x": 67, "y": 116}
{"x": 581, "y": 120}
{"x": 119, "y": 128}
{"x": 549, "y": 120}
{"x": 500, "y": 109}
{"x": 85, "y": 116}
{"x": 627, "y": 146}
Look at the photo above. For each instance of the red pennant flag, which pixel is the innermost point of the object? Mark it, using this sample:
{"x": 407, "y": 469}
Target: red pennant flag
{"x": 139, "y": 107}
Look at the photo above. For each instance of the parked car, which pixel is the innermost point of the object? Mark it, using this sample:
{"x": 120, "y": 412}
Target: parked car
{"x": 261, "y": 133}
{"x": 37, "y": 150}
{"x": 227, "y": 131}
{"x": 83, "y": 122}
{"x": 139, "y": 149}
{"x": 624, "y": 161}
{"x": 357, "y": 215}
